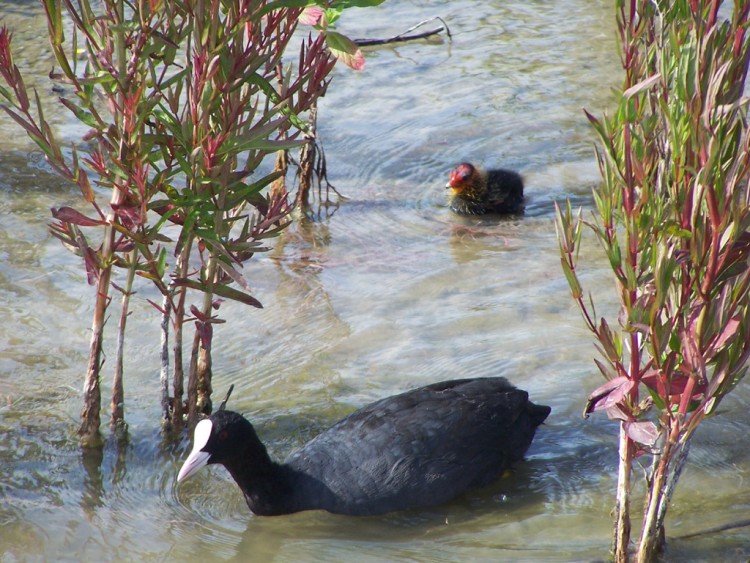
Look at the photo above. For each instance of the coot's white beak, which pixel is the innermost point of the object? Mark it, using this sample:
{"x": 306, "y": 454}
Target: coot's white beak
{"x": 197, "y": 458}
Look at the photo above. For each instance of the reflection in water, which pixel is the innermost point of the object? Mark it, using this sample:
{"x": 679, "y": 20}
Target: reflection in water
{"x": 93, "y": 486}
{"x": 315, "y": 536}
{"x": 302, "y": 245}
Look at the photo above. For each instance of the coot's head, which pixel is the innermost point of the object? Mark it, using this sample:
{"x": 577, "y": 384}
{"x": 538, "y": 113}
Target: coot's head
{"x": 462, "y": 177}
{"x": 223, "y": 436}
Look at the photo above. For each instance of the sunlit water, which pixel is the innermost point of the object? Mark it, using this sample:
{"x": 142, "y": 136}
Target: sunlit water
{"x": 386, "y": 292}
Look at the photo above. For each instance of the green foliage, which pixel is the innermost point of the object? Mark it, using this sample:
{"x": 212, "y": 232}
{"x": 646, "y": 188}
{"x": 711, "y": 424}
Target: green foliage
{"x": 323, "y": 14}
{"x": 672, "y": 216}
{"x": 183, "y": 101}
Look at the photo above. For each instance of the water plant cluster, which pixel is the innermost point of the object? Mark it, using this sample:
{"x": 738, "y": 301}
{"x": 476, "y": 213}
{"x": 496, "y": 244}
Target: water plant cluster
{"x": 182, "y": 102}
{"x": 672, "y": 216}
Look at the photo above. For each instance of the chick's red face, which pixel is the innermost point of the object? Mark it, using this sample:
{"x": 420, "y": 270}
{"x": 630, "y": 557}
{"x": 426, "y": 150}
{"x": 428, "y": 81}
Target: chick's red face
{"x": 461, "y": 176}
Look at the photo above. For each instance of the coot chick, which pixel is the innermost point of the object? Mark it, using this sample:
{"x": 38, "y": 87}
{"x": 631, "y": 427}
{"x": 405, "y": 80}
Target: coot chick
{"x": 476, "y": 191}
{"x": 417, "y": 449}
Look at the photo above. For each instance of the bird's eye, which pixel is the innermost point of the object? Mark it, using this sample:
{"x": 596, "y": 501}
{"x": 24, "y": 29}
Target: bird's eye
{"x": 223, "y": 435}
{"x": 464, "y": 172}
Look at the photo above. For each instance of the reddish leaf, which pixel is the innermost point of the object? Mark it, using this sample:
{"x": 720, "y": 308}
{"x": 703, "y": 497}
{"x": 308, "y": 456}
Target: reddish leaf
{"x": 234, "y": 274}
{"x": 644, "y": 432}
{"x": 156, "y": 306}
{"x": 130, "y": 215}
{"x": 198, "y": 315}
{"x": 691, "y": 353}
{"x": 91, "y": 261}
{"x": 124, "y": 246}
{"x": 311, "y": 15}
{"x": 676, "y": 386}
{"x": 174, "y": 214}
{"x": 608, "y": 395}
{"x": 83, "y": 182}
{"x": 606, "y": 372}
{"x": 70, "y": 215}
{"x": 729, "y": 332}
{"x": 615, "y": 412}
{"x": 651, "y": 380}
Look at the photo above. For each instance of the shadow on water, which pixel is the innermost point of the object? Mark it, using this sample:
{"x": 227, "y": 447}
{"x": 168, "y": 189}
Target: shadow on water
{"x": 443, "y": 523}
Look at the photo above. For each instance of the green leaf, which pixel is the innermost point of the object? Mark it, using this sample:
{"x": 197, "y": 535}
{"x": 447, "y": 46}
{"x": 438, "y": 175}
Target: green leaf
{"x": 237, "y": 145}
{"x": 614, "y": 255}
{"x": 345, "y": 50}
{"x": 575, "y": 285}
{"x": 220, "y": 290}
{"x": 658, "y": 401}
{"x": 5, "y": 93}
{"x": 246, "y": 192}
{"x": 161, "y": 264}
{"x": 85, "y": 117}
{"x": 279, "y": 4}
{"x": 346, "y": 4}
{"x": 186, "y": 232}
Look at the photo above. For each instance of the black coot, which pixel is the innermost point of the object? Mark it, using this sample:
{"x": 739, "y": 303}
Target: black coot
{"x": 417, "y": 449}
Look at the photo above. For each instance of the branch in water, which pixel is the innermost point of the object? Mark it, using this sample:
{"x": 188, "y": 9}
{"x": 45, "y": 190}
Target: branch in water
{"x": 716, "y": 529}
{"x": 404, "y": 37}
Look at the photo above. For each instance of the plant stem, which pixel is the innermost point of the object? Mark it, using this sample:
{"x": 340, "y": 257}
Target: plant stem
{"x": 307, "y": 161}
{"x": 199, "y": 382}
{"x": 622, "y": 502}
{"x": 178, "y": 380}
{"x": 117, "y": 421}
{"x": 88, "y": 430}
{"x": 166, "y": 305}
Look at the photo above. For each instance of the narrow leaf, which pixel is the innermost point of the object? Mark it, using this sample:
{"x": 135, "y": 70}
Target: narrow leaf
{"x": 70, "y": 215}
{"x": 220, "y": 290}
{"x": 641, "y": 86}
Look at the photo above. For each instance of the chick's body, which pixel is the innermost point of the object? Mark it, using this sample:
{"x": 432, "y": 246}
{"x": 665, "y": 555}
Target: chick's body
{"x": 476, "y": 192}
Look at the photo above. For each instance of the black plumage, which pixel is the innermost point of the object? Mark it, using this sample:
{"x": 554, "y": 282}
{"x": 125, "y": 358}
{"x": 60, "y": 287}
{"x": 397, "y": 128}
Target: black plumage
{"x": 476, "y": 192}
{"x": 420, "y": 448}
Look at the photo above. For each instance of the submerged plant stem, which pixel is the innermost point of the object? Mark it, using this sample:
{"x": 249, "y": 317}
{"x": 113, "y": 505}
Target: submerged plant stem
{"x": 622, "y": 503}
{"x": 118, "y": 393}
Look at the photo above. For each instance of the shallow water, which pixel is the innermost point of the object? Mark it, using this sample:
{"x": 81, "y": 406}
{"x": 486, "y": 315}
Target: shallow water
{"x": 386, "y": 292}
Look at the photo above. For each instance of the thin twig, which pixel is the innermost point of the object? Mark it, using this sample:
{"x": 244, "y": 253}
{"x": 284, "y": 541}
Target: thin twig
{"x": 404, "y": 37}
{"x": 722, "y": 528}
{"x": 223, "y": 404}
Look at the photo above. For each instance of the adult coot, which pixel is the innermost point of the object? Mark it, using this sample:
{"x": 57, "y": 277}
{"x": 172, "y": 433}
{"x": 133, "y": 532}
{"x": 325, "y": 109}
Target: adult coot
{"x": 475, "y": 191}
{"x": 420, "y": 448}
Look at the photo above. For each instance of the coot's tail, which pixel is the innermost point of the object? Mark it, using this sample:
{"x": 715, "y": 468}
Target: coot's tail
{"x": 538, "y": 413}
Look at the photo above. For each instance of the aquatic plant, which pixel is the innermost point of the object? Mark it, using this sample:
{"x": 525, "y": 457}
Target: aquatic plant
{"x": 672, "y": 216}
{"x": 182, "y": 101}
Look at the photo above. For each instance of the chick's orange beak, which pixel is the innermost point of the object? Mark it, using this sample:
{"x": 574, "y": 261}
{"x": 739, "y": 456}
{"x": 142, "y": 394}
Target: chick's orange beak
{"x": 453, "y": 181}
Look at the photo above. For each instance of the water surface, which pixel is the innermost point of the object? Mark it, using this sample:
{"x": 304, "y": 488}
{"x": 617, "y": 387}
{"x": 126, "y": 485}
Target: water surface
{"x": 388, "y": 291}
